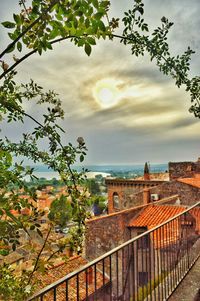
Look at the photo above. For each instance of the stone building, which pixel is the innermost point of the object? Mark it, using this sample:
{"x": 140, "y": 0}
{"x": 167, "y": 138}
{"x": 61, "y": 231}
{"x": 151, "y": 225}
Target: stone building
{"x": 109, "y": 231}
{"x": 184, "y": 180}
{"x": 123, "y": 193}
{"x": 136, "y": 206}
{"x": 170, "y": 241}
{"x": 183, "y": 169}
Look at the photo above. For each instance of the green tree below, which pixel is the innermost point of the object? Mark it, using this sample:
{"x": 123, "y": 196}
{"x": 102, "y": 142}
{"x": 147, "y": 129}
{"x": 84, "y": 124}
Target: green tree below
{"x": 60, "y": 211}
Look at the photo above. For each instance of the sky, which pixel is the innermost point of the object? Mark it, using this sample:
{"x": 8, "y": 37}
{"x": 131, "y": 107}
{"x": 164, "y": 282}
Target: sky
{"x": 126, "y": 110}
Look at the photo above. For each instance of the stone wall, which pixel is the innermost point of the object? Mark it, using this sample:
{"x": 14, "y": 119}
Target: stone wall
{"x": 126, "y": 191}
{"x": 107, "y": 232}
{"x": 183, "y": 169}
{"x": 125, "y": 197}
{"x": 189, "y": 195}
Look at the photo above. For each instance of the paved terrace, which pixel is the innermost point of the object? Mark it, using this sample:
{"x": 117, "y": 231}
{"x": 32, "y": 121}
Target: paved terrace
{"x": 187, "y": 289}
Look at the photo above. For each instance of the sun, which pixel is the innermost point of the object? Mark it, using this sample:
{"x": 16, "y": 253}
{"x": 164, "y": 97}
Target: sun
{"x": 106, "y": 96}
{"x": 106, "y": 93}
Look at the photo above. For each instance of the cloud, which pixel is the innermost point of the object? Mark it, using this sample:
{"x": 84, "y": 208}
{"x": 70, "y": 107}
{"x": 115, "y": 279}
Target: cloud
{"x": 151, "y": 119}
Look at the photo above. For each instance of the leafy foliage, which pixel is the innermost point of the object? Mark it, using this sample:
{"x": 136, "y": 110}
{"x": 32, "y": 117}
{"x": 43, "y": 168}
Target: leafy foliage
{"x": 10, "y": 285}
{"x": 93, "y": 186}
{"x": 60, "y": 211}
{"x": 156, "y": 45}
{"x": 38, "y": 26}
{"x": 99, "y": 204}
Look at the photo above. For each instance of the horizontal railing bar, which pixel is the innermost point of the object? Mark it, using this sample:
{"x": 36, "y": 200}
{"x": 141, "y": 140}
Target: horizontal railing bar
{"x": 109, "y": 253}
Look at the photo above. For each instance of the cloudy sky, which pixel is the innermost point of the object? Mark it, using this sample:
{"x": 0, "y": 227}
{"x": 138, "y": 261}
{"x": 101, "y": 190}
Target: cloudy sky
{"x": 126, "y": 110}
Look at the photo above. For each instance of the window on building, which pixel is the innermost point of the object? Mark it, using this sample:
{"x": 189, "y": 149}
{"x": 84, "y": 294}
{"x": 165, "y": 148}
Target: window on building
{"x": 115, "y": 200}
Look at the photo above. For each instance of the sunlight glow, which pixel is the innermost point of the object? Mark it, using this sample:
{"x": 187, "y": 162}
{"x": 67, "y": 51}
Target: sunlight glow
{"x": 106, "y": 96}
{"x": 106, "y": 93}
{"x": 109, "y": 92}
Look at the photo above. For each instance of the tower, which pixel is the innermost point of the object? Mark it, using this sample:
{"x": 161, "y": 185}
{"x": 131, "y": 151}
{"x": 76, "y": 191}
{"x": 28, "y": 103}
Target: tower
{"x": 146, "y": 172}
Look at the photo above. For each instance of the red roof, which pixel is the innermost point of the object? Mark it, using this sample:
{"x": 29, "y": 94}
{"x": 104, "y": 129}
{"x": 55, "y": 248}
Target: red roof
{"x": 190, "y": 181}
{"x": 62, "y": 270}
{"x": 154, "y": 215}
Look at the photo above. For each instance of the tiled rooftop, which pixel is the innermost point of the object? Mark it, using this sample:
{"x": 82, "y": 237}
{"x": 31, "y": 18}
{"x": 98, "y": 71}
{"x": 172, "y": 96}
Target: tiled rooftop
{"x": 156, "y": 176}
{"x": 154, "y": 215}
{"x": 191, "y": 181}
{"x": 11, "y": 258}
{"x": 64, "y": 269}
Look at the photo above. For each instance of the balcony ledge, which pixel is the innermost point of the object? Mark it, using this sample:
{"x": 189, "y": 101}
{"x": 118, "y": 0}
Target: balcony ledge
{"x": 187, "y": 289}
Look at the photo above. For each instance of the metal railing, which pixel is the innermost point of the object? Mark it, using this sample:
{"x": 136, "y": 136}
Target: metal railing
{"x": 148, "y": 267}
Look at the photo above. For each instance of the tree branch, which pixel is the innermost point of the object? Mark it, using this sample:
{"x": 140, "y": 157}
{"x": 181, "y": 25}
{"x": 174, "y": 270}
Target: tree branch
{"x": 39, "y": 254}
{"x": 30, "y": 53}
{"x": 28, "y": 28}
{"x": 61, "y": 145}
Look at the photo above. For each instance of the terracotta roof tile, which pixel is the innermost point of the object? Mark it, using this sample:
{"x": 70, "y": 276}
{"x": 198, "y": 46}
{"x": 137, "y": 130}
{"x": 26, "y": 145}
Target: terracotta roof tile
{"x": 154, "y": 215}
{"x": 62, "y": 270}
{"x": 190, "y": 181}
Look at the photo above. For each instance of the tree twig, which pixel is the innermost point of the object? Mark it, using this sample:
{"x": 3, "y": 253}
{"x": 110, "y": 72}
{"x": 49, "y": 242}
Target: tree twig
{"x": 28, "y": 28}
{"x": 39, "y": 254}
{"x": 30, "y": 53}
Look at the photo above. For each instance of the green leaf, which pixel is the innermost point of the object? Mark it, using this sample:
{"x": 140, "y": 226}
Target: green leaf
{"x": 81, "y": 158}
{"x": 95, "y": 3}
{"x": 8, "y": 24}
{"x": 91, "y": 41}
{"x": 87, "y": 23}
{"x": 81, "y": 42}
{"x": 59, "y": 17}
{"x": 141, "y": 10}
{"x": 98, "y": 15}
{"x": 11, "y": 49}
{"x": 4, "y": 252}
{"x": 19, "y": 46}
{"x": 48, "y": 45}
{"x": 17, "y": 19}
{"x": 39, "y": 49}
{"x": 88, "y": 49}
{"x": 54, "y": 33}
{"x": 101, "y": 25}
{"x": 75, "y": 22}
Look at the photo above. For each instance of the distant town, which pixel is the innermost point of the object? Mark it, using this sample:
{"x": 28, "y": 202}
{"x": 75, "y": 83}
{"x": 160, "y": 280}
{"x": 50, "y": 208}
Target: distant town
{"x": 120, "y": 210}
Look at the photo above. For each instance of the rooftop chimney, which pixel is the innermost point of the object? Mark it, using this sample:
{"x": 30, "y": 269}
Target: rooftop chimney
{"x": 146, "y": 196}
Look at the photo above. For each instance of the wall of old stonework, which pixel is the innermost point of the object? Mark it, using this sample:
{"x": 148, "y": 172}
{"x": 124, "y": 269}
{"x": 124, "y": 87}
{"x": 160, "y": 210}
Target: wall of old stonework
{"x": 183, "y": 169}
{"x": 126, "y": 190}
{"x": 124, "y": 197}
{"x": 106, "y": 232}
{"x": 189, "y": 195}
